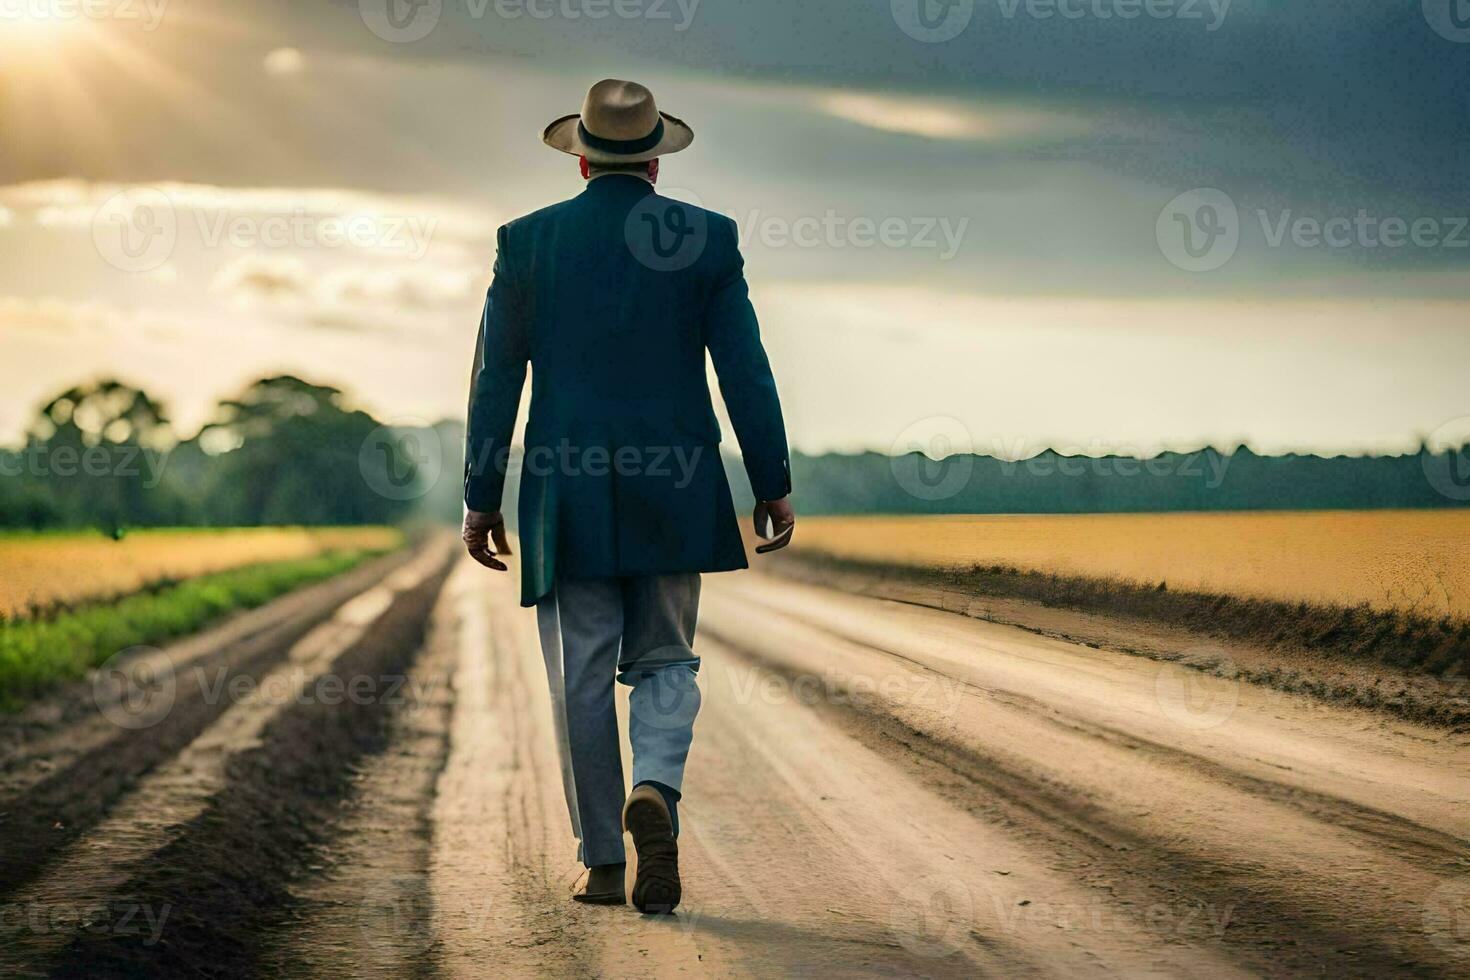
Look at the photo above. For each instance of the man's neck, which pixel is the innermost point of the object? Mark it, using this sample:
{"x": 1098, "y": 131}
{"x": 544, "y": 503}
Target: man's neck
{"x": 594, "y": 172}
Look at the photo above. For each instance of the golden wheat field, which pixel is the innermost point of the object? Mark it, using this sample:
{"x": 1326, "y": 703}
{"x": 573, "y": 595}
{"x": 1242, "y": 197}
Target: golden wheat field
{"x": 1406, "y": 560}
{"x": 42, "y": 569}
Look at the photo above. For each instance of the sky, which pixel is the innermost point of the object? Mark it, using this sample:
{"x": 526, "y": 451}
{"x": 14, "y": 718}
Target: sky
{"x": 1094, "y": 225}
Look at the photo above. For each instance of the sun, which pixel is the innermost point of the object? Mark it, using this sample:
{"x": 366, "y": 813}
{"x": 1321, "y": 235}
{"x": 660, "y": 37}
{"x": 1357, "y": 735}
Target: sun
{"x": 48, "y": 67}
{"x": 33, "y": 32}
{"x": 34, "y": 19}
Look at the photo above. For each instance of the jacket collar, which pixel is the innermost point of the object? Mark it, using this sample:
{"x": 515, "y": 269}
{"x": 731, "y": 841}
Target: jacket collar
{"x": 620, "y": 185}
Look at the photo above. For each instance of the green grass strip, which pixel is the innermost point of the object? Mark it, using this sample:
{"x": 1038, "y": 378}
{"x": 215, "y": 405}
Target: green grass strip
{"x": 37, "y": 655}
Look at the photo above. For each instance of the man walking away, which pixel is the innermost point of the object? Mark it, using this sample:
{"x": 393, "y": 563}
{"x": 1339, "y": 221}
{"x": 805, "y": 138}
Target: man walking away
{"x": 613, "y": 297}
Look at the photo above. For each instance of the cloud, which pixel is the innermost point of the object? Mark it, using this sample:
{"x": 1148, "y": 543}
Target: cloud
{"x": 310, "y": 217}
{"x": 284, "y": 62}
{"x": 412, "y": 300}
{"x": 49, "y": 317}
{"x": 280, "y": 278}
{"x": 944, "y": 119}
{"x": 404, "y": 288}
{"x": 409, "y": 299}
{"x": 268, "y": 278}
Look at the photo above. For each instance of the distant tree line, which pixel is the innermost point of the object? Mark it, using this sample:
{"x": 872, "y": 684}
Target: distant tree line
{"x": 1052, "y": 483}
{"x": 284, "y": 451}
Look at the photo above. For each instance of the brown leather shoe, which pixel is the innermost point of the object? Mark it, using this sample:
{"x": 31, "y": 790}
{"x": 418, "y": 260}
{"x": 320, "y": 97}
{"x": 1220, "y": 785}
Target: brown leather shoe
{"x": 656, "y": 889}
{"x": 604, "y": 886}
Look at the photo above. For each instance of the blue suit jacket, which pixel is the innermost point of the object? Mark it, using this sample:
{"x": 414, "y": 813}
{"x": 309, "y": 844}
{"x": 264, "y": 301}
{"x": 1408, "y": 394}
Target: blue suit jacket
{"x": 612, "y": 298}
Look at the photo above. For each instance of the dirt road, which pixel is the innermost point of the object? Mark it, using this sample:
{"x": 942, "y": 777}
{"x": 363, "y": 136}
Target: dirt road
{"x": 875, "y": 788}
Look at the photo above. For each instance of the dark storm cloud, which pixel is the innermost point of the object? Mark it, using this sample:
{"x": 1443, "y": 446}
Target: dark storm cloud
{"x": 1312, "y": 111}
{"x": 1324, "y": 107}
{"x": 1316, "y": 69}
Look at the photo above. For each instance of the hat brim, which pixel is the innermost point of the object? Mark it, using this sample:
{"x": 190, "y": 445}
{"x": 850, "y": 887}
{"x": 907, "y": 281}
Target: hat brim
{"x": 564, "y": 135}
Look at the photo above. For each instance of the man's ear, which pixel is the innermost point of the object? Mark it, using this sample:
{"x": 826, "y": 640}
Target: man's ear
{"x": 653, "y": 171}
{"x": 586, "y": 169}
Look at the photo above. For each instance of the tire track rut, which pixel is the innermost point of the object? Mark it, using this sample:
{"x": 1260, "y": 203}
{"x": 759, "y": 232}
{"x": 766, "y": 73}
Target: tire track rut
{"x": 267, "y": 777}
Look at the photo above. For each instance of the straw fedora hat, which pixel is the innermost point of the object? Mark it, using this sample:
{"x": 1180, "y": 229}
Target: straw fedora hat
{"x": 619, "y": 123}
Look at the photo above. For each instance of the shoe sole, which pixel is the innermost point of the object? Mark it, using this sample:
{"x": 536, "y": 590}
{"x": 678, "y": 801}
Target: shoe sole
{"x": 607, "y": 898}
{"x": 648, "y": 820}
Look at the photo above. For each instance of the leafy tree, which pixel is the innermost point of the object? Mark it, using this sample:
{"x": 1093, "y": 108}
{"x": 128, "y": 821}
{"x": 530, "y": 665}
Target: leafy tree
{"x": 95, "y": 452}
{"x": 285, "y": 451}
{"x": 289, "y": 452}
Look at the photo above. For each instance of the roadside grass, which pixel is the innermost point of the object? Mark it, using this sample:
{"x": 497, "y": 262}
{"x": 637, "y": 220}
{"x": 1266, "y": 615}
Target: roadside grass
{"x": 38, "y": 654}
{"x": 1432, "y": 645}
{"x": 43, "y": 572}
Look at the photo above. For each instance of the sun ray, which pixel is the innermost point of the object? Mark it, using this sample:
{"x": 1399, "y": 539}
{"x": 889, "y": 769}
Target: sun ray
{"x": 72, "y": 82}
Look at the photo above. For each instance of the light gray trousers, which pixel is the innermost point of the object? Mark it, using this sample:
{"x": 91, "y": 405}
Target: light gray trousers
{"x": 638, "y": 630}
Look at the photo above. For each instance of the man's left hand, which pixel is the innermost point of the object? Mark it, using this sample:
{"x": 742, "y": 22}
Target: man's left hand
{"x": 479, "y": 528}
{"x": 774, "y": 522}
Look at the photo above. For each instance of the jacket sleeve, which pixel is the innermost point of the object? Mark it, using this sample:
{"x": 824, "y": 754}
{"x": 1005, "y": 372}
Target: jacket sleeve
{"x": 501, "y": 354}
{"x": 732, "y": 335}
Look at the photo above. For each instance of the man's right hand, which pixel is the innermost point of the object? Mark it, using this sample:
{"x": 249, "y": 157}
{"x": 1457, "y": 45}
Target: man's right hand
{"x": 478, "y": 528}
{"x": 782, "y": 518}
